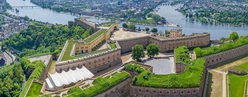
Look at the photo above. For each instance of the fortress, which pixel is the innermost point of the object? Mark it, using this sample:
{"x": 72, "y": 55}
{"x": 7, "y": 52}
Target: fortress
{"x": 78, "y": 55}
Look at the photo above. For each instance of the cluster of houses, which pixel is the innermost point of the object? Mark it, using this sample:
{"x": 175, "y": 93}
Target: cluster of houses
{"x": 220, "y": 6}
{"x": 116, "y": 8}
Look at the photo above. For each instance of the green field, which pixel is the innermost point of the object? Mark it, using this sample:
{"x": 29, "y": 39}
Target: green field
{"x": 34, "y": 90}
{"x": 92, "y": 37}
{"x": 27, "y": 84}
{"x": 67, "y": 53}
{"x": 243, "y": 66}
{"x": 237, "y": 85}
{"x": 112, "y": 45}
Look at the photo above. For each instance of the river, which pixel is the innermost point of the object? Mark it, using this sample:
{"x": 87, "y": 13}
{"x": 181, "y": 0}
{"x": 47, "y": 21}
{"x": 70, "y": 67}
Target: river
{"x": 166, "y": 11}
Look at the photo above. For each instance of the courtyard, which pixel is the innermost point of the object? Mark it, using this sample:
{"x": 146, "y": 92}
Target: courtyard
{"x": 121, "y": 34}
{"x": 163, "y": 65}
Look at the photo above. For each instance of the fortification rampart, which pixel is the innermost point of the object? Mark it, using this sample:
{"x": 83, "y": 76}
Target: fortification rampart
{"x": 119, "y": 90}
{"x": 94, "y": 63}
{"x": 226, "y": 56}
{"x": 166, "y": 43}
{"x": 137, "y": 91}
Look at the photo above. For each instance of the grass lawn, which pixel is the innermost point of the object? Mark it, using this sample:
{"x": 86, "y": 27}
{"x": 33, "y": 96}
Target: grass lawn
{"x": 112, "y": 45}
{"x": 100, "y": 85}
{"x": 34, "y": 90}
{"x": 92, "y": 37}
{"x": 243, "y": 66}
{"x": 27, "y": 84}
{"x": 91, "y": 53}
{"x": 237, "y": 85}
{"x": 107, "y": 24}
{"x": 67, "y": 53}
{"x": 51, "y": 69}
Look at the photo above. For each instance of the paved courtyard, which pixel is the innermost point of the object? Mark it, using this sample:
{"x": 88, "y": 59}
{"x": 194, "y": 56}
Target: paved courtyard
{"x": 121, "y": 34}
{"x": 162, "y": 65}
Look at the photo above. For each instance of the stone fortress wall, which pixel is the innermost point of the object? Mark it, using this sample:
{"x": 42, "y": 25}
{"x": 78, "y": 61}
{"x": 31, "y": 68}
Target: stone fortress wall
{"x": 94, "y": 63}
{"x": 225, "y": 56}
{"x": 119, "y": 90}
{"x": 103, "y": 61}
{"x": 166, "y": 43}
{"x": 137, "y": 91}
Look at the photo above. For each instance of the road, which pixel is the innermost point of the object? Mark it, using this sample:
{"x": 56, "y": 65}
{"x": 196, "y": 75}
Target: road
{"x": 8, "y": 58}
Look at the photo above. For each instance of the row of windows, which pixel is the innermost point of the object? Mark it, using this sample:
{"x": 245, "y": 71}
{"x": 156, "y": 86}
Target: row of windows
{"x": 168, "y": 91}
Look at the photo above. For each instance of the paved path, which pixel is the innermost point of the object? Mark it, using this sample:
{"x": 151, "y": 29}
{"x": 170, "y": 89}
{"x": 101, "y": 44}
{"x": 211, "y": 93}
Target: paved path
{"x": 224, "y": 87}
{"x": 8, "y": 58}
{"x": 219, "y": 78}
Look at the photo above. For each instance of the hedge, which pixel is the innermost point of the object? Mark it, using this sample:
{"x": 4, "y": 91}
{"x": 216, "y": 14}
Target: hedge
{"x": 39, "y": 67}
{"x": 134, "y": 67}
{"x": 99, "y": 85}
{"x": 223, "y": 47}
{"x": 182, "y": 54}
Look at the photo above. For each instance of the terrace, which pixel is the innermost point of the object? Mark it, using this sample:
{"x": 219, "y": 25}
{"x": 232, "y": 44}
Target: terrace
{"x": 193, "y": 72}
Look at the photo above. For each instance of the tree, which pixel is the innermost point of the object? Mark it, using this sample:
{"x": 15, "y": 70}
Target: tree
{"x": 152, "y": 50}
{"x": 131, "y": 27}
{"x": 156, "y": 17}
{"x": 190, "y": 15}
{"x": 154, "y": 30}
{"x": 124, "y": 25}
{"x": 234, "y": 36}
{"x": 166, "y": 32}
{"x": 138, "y": 52}
{"x": 147, "y": 29}
{"x": 149, "y": 15}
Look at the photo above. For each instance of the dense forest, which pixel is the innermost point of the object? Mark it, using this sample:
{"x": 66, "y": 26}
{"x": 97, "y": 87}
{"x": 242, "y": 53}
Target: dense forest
{"x": 213, "y": 16}
{"x": 11, "y": 78}
{"x": 42, "y": 39}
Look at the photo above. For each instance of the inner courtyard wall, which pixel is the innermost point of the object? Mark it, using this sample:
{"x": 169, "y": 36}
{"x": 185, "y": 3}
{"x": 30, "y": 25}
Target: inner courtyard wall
{"x": 94, "y": 64}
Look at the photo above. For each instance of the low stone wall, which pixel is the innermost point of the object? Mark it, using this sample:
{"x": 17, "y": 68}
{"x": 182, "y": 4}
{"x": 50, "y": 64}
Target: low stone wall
{"x": 226, "y": 56}
{"x": 137, "y": 91}
{"x": 119, "y": 90}
{"x": 180, "y": 67}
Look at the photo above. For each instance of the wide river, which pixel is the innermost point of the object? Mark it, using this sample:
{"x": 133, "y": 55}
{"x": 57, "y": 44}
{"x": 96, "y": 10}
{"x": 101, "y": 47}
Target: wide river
{"x": 168, "y": 12}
